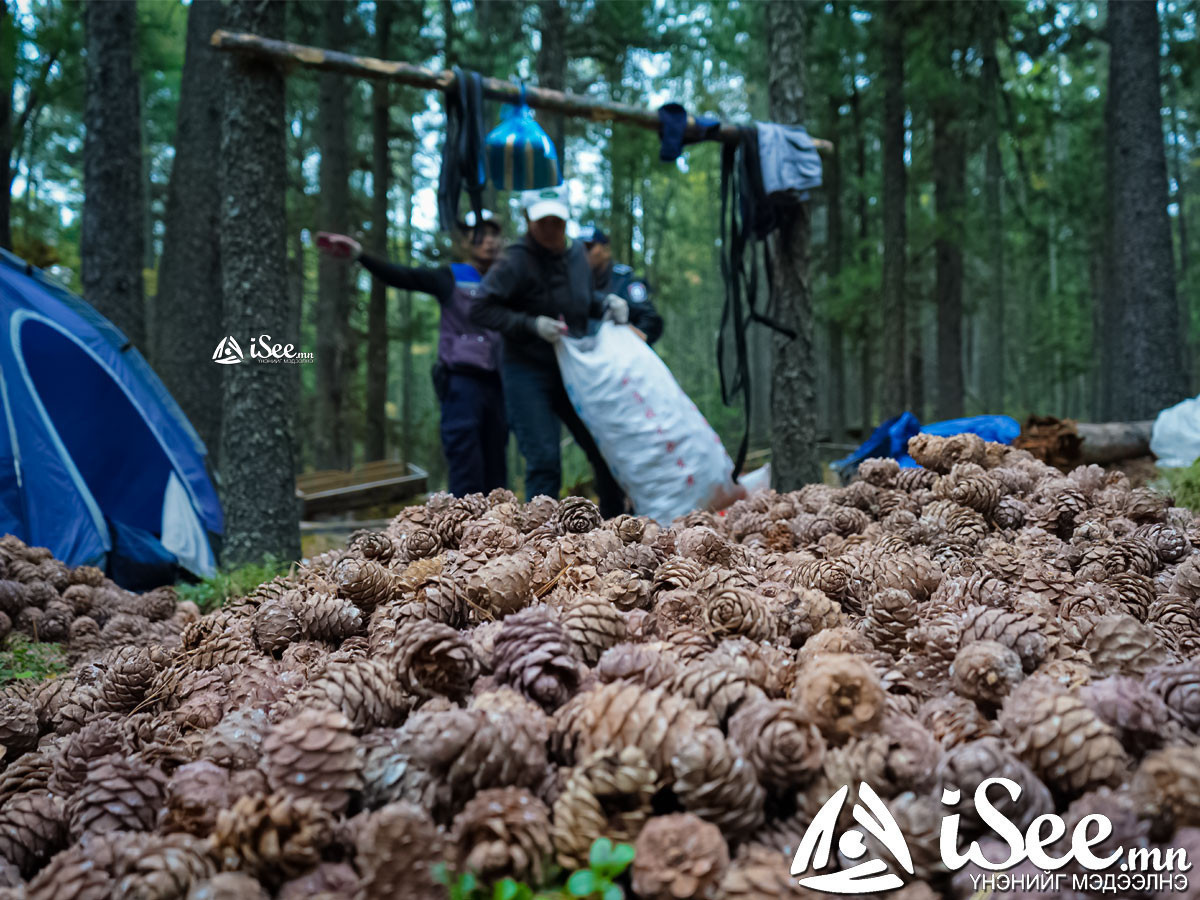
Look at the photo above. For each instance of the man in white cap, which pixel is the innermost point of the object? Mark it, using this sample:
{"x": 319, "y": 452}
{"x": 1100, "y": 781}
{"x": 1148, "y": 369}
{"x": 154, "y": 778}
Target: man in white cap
{"x": 540, "y": 290}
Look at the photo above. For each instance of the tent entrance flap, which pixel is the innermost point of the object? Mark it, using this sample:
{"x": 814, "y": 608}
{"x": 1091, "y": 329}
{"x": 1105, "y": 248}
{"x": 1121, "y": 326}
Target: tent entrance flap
{"x": 119, "y": 458}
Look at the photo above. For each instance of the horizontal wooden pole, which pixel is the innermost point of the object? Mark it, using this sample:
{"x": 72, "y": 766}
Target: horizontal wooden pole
{"x": 288, "y": 54}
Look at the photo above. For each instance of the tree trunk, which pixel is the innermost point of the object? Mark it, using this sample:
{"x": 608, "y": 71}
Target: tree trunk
{"x": 257, "y": 441}
{"x": 866, "y": 346}
{"x": 8, "y": 72}
{"x": 894, "y": 326}
{"x": 110, "y": 242}
{"x": 189, "y": 305}
{"x": 1143, "y": 265}
{"x": 993, "y": 349}
{"x": 793, "y": 408}
{"x": 332, "y": 443}
{"x": 552, "y": 66}
{"x": 377, "y": 336}
{"x": 836, "y": 252}
{"x": 407, "y": 327}
{"x": 950, "y": 172}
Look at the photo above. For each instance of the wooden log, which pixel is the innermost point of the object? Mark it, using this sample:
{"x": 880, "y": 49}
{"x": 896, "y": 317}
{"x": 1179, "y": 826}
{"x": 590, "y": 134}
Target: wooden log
{"x": 1110, "y": 442}
{"x": 1065, "y": 443}
{"x": 290, "y": 55}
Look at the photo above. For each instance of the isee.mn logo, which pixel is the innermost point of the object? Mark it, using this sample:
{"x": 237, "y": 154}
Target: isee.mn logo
{"x": 262, "y": 350}
{"x": 1045, "y": 844}
{"x": 228, "y": 352}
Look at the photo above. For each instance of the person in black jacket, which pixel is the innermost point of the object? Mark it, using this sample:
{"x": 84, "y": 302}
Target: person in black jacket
{"x": 467, "y": 373}
{"x": 540, "y": 290}
{"x": 620, "y": 279}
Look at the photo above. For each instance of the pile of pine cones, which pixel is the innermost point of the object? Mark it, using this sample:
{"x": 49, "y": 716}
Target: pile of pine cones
{"x": 79, "y": 607}
{"x": 495, "y": 685}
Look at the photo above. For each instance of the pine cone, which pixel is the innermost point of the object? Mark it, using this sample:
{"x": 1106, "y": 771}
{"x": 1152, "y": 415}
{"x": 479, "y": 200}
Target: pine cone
{"x": 890, "y": 615}
{"x": 703, "y": 545}
{"x": 607, "y": 795}
{"x": 578, "y": 515}
{"x": 954, "y": 720}
{"x": 118, "y": 794}
{"x": 715, "y": 782}
{"x": 621, "y": 715}
{"x": 985, "y": 671}
{"x": 625, "y": 590}
{"x": 129, "y": 676}
{"x": 533, "y": 654}
{"x": 807, "y": 612}
{"x": 760, "y": 872}
{"x": 364, "y": 582}
{"x": 28, "y": 772}
{"x": 80, "y": 751}
{"x": 18, "y": 725}
{"x": 315, "y": 754}
{"x": 373, "y": 545}
{"x": 722, "y": 691}
{"x": 272, "y": 837}
{"x": 33, "y": 827}
{"x": 503, "y": 833}
{"x": 423, "y": 543}
{"x": 785, "y": 748}
{"x": 1121, "y": 645}
{"x": 328, "y": 881}
{"x": 968, "y": 765}
{"x": 434, "y": 659}
{"x": 465, "y": 751}
{"x": 363, "y": 690}
{"x": 640, "y": 663}
{"x": 593, "y": 625}
{"x": 1179, "y": 686}
{"x": 1021, "y": 633}
{"x": 397, "y": 845}
{"x": 679, "y": 856}
{"x": 236, "y": 741}
{"x": 163, "y": 869}
{"x": 841, "y": 694}
{"x": 277, "y": 624}
{"x": 84, "y": 871}
{"x": 195, "y": 794}
{"x": 502, "y": 585}
{"x": 1139, "y": 716}
{"x": 734, "y": 611}
{"x": 1064, "y": 742}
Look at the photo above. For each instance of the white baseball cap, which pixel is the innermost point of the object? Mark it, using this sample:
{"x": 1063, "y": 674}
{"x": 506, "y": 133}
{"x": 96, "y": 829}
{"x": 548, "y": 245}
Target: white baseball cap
{"x": 551, "y": 201}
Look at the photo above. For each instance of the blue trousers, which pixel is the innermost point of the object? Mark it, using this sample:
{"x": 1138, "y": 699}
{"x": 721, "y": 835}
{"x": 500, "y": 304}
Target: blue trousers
{"x": 474, "y": 433}
{"x": 538, "y": 407}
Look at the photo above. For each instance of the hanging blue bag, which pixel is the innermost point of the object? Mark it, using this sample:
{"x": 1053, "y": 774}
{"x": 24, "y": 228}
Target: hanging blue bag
{"x": 520, "y": 155}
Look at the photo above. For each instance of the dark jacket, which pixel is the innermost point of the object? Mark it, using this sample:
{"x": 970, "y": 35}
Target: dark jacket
{"x": 462, "y": 345}
{"x": 620, "y": 280}
{"x": 531, "y": 281}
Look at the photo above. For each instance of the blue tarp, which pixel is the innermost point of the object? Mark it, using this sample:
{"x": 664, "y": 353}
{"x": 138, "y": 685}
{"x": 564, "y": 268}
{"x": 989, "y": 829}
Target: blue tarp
{"x": 91, "y": 443}
{"x": 891, "y": 438}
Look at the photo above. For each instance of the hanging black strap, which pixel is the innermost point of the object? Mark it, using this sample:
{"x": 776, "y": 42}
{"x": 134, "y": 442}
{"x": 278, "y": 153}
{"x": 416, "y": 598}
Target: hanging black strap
{"x": 462, "y": 154}
{"x": 746, "y": 218}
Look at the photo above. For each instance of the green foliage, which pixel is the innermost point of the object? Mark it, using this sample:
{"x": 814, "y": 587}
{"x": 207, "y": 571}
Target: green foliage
{"x": 1182, "y": 484}
{"x": 26, "y": 660}
{"x": 606, "y": 863}
{"x": 213, "y": 592}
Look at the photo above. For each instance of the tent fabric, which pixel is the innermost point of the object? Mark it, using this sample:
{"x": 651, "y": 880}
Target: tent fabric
{"x": 891, "y": 438}
{"x": 91, "y": 442}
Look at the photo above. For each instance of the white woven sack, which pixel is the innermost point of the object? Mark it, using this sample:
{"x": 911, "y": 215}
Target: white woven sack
{"x": 660, "y": 449}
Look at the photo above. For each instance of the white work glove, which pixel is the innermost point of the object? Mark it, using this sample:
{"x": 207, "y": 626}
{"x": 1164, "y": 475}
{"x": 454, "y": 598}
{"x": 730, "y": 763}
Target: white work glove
{"x": 617, "y": 309}
{"x": 549, "y": 329}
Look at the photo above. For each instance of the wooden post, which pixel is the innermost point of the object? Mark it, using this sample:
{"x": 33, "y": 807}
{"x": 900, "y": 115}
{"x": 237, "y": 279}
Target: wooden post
{"x": 290, "y": 55}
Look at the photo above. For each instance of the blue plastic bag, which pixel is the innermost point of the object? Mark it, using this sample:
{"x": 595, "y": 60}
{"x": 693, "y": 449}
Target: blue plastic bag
{"x": 520, "y": 155}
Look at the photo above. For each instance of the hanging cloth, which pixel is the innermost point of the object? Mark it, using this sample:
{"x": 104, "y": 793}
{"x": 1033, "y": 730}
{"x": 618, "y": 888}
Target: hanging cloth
{"x": 749, "y": 212}
{"x": 462, "y": 154}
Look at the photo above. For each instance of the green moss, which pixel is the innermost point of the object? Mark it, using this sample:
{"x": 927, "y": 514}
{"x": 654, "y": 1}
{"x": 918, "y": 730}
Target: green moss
{"x": 1182, "y": 484}
{"x": 227, "y": 584}
{"x": 23, "y": 659}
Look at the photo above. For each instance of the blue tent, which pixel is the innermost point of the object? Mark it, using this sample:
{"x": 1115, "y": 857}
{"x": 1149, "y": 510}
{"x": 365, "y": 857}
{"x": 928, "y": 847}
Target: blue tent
{"x": 97, "y": 461}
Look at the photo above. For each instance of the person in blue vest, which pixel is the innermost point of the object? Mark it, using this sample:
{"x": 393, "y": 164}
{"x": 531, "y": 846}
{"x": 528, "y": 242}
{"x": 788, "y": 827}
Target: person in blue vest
{"x": 619, "y": 279}
{"x": 466, "y": 376}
